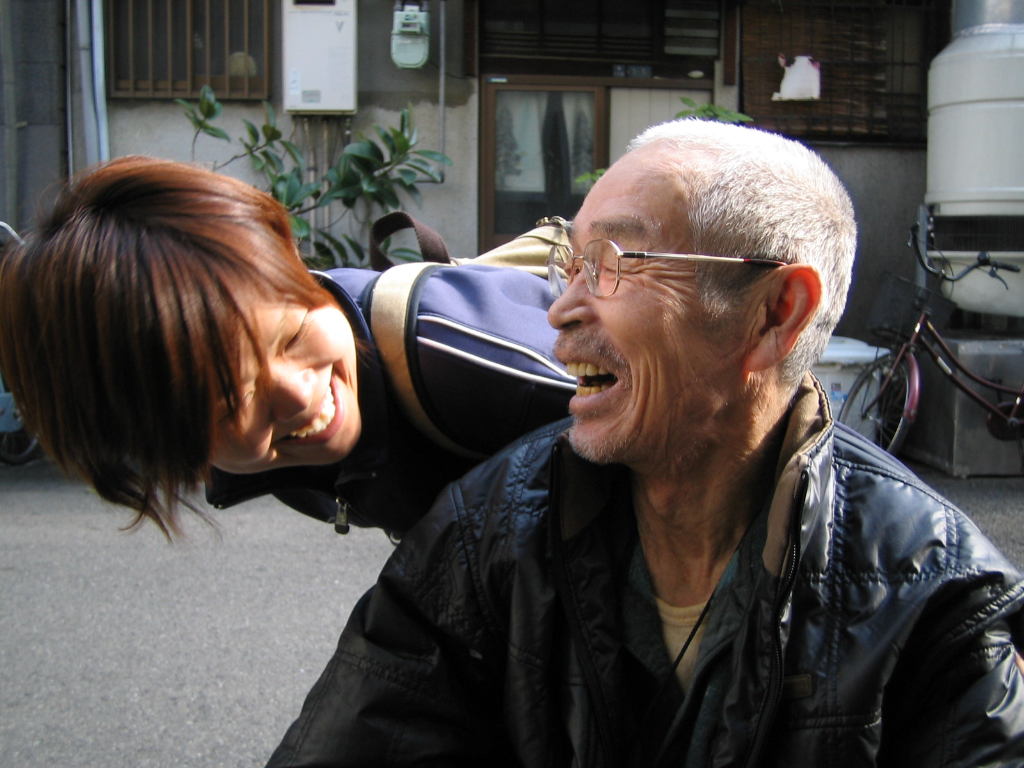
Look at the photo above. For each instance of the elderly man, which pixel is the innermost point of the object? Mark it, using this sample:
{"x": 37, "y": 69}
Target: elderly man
{"x": 702, "y": 569}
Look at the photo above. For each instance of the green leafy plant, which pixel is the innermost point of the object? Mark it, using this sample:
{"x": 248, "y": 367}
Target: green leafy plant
{"x": 700, "y": 111}
{"x": 368, "y": 178}
{"x": 587, "y": 180}
{"x": 711, "y": 111}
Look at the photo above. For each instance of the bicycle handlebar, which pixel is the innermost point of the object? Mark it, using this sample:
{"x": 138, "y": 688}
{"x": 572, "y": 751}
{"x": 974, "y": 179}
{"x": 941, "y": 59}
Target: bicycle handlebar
{"x": 983, "y": 260}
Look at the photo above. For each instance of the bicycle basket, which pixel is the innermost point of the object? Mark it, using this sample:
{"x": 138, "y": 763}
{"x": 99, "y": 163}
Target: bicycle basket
{"x": 898, "y": 304}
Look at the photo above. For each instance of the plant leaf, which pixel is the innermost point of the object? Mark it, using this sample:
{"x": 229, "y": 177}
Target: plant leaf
{"x": 295, "y": 152}
{"x": 402, "y": 143}
{"x": 271, "y": 133}
{"x": 254, "y": 135}
{"x": 414, "y": 193}
{"x": 300, "y": 227}
{"x": 273, "y": 160}
{"x": 389, "y": 198}
{"x": 365, "y": 149}
{"x": 209, "y": 107}
{"x": 437, "y": 157}
{"x": 217, "y": 133}
{"x": 388, "y": 141}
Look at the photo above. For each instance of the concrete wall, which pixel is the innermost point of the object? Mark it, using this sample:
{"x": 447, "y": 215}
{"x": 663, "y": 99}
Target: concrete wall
{"x": 158, "y": 128}
{"x": 886, "y": 185}
{"x": 36, "y": 122}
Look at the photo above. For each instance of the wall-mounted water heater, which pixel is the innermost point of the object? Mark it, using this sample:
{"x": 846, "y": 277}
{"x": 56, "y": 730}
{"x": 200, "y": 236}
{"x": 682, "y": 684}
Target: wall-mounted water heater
{"x": 319, "y": 56}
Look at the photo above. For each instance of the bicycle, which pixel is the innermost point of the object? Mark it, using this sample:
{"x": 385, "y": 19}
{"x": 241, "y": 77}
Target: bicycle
{"x": 883, "y": 400}
{"x": 17, "y": 445}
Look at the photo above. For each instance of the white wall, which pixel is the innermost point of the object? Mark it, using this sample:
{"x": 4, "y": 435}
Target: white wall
{"x": 160, "y": 129}
{"x": 634, "y": 109}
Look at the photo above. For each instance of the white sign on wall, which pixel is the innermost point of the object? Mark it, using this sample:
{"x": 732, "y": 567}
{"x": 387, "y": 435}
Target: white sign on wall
{"x": 319, "y": 56}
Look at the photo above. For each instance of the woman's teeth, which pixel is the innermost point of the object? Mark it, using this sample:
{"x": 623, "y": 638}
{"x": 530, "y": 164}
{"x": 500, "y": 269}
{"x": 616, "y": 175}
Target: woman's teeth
{"x": 322, "y": 419}
{"x": 590, "y": 378}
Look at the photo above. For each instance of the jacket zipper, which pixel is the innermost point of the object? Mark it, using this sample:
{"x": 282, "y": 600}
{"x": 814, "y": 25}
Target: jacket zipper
{"x": 341, "y": 518}
{"x": 774, "y": 694}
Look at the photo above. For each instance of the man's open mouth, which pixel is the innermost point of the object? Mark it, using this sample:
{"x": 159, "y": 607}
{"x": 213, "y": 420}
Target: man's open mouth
{"x": 590, "y": 378}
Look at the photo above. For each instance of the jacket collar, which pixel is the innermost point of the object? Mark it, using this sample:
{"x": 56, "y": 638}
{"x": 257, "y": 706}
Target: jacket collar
{"x": 809, "y": 425}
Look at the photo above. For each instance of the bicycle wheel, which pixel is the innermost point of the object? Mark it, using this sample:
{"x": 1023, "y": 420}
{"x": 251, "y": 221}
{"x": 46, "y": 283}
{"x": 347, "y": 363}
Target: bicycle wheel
{"x": 17, "y": 447}
{"x": 883, "y": 414}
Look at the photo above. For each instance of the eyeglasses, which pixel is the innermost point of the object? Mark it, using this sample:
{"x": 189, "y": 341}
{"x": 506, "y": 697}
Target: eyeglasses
{"x": 600, "y": 265}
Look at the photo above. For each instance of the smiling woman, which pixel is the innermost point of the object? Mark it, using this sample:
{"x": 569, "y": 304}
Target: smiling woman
{"x": 299, "y": 404}
{"x": 160, "y": 332}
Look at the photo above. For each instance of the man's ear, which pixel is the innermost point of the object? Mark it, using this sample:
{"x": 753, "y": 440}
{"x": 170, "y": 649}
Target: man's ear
{"x": 789, "y": 304}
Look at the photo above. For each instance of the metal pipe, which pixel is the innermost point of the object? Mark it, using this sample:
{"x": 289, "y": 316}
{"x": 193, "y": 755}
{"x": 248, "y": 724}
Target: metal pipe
{"x": 90, "y": 132}
{"x": 99, "y": 82}
{"x": 69, "y": 104}
{"x": 443, "y": 68}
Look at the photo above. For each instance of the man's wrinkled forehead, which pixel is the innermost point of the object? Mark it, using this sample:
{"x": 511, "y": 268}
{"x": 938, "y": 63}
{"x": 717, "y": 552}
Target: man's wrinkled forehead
{"x": 627, "y": 229}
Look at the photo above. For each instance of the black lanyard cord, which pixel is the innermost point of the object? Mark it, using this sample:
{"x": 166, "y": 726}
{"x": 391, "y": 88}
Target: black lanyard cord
{"x": 670, "y": 677}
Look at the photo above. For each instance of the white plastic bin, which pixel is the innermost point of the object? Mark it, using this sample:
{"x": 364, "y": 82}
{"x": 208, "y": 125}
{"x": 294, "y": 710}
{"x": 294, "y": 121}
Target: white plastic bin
{"x": 844, "y": 358}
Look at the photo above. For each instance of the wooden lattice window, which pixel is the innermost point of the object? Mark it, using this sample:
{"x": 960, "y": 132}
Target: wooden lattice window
{"x": 590, "y": 37}
{"x": 172, "y": 48}
{"x": 873, "y": 57}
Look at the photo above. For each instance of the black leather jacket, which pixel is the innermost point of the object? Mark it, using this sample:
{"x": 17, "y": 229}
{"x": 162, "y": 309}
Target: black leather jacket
{"x": 862, "y": 621}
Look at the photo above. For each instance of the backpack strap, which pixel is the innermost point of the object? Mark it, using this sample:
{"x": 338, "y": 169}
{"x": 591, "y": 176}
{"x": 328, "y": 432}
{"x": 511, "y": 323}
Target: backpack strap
{"x": 432, "y": 246}
{"x": 392, "y": 320}
{"x": 529, "y": 251}
{"x": 394, "y": 301}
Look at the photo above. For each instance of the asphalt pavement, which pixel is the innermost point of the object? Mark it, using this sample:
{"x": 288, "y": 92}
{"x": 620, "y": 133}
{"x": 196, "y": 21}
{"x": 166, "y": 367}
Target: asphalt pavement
{"x": 120, "y": 650}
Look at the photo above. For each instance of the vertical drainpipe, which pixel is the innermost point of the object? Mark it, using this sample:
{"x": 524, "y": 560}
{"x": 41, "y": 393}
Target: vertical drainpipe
{"x": 99, "y": 80}
{"x": 10, "y": 114}
{"x": 83, "y": 45}
{"x": 442, "y": 106}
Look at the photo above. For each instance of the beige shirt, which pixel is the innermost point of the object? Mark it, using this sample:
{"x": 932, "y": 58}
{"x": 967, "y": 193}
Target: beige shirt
{"x": 676, "y": 625}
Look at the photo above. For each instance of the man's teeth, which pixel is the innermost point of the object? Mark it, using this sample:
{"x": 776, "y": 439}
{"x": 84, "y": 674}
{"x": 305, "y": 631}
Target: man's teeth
{"x": 585, "y": 371}
{"x": 325, "y": 417}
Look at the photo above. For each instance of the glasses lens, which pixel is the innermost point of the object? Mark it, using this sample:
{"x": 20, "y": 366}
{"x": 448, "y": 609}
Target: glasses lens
{"x": 601, "y": 265}
{"x": 558, "y": 265}
{"x": 561, "y": 255}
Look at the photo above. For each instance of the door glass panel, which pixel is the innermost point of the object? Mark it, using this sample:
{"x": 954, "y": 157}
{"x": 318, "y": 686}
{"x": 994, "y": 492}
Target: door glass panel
{"x": 544, "y": 140}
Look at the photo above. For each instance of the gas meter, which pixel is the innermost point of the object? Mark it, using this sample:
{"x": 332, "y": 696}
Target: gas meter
{"x": 410, "y": 34}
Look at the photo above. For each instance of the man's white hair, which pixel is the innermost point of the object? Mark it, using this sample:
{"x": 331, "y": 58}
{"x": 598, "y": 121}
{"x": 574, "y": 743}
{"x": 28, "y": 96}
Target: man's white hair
{"x": 747, "y": 192}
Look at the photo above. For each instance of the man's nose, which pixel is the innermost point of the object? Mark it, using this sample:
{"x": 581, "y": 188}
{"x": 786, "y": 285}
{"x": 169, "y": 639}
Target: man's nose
{"x": 292, "y": 391}
{"x": 566, "y": 308}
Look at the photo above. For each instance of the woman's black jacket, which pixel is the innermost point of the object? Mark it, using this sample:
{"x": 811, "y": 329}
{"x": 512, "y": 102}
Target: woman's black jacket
{"x": 480, "y": 353}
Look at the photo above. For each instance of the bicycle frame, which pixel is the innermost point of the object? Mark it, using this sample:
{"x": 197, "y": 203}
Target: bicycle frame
{"x": 927, "y": 336}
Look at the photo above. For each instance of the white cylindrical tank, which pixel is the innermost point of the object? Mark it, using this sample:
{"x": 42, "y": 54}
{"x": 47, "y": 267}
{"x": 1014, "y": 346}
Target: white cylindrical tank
{"x": 976, "y": 123}
{"x": 976, "y": 144}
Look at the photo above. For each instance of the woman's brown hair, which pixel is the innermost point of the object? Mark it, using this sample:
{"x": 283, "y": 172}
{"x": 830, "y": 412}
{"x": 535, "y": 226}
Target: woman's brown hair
{"x": 122, "y": 319}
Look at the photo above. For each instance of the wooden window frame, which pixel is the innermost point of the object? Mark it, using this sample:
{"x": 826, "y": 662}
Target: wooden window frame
{"x": 490, "y": 87}
{"x": 122, "y": 30}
